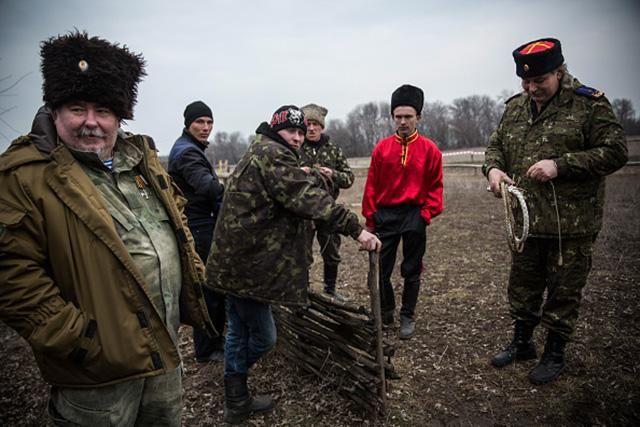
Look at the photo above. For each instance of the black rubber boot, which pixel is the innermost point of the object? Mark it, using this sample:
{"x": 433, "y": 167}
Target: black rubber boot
{"x": 238, "y": 404}
{"x": 520, "y": 348}
{"x": 330, "y": 279}
{"x": 551, "y": 364}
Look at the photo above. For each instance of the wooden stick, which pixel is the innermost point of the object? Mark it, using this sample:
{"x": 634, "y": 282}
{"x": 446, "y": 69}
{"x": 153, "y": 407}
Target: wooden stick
{"x": 374, "y": 291}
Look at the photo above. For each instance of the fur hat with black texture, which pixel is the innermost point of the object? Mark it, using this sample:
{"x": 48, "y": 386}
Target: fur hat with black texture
{"x": 538, "y": 57}
{"x": 316, "y": 113}
{"x": 78, "y": 68}
{"x": 407, "y": 95}
{"x": 288, "y": 116}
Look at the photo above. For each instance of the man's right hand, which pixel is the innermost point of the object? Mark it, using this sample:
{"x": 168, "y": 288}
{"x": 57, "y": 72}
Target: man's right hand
{"x": 495, "y": 177}
{"x": 369, "y": 241}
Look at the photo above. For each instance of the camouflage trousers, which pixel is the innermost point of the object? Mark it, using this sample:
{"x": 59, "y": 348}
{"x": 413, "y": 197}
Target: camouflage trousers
{"x": 329, "y": 245}
{"x": 537, "y": 269}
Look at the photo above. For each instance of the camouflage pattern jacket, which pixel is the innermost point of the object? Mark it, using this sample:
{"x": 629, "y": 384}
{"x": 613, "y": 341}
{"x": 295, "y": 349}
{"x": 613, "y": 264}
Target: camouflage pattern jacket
{"x": 258, "y": 249}
{"x": 579, "y": 131}
{"x": 326, "y": 153}
{"x": 68, "y": 284}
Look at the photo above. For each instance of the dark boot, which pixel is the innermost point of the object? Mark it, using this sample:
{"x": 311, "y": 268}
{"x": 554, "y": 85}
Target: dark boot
{"x": 521, "y": 348}
{"x": 387, "y": 318}
{"x": 551, "y": 363}
{"x": 407, "y": 327}
{"x": 238, "y": 404}
{"x": 330, "y": 279}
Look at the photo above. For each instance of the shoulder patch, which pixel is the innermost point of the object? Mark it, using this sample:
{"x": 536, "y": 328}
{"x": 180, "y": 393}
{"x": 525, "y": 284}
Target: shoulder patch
{"x": 589, "y": 91}
{"x": 517, "y": 95}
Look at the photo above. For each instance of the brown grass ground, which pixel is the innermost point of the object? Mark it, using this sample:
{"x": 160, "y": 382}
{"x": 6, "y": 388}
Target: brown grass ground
{"x": 462, "y": 320}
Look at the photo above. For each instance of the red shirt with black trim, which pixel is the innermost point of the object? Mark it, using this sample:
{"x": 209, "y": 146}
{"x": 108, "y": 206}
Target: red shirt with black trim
{"x": 404, "y": 171}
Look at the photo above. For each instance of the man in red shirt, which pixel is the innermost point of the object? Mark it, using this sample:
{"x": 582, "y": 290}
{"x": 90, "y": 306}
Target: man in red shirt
{"x": 402, "y": 195}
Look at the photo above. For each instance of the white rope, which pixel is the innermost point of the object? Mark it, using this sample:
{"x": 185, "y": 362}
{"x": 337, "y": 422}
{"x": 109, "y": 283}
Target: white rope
{"x": 555, "y": 203}
{"x": 510, "y": 195}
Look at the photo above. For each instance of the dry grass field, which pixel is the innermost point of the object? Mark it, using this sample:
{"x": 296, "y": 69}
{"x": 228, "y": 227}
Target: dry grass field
{"x": 462, "y": 319}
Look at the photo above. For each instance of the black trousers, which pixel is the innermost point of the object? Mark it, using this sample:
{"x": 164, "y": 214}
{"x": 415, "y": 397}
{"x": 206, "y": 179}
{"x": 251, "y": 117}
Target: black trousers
{"x": 394, "y": 224}
{"x": 202, "y": 343}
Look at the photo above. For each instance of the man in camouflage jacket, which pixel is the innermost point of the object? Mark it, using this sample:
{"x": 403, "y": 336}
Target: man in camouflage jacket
{"x": 258, "y": 254}
{"x": 557, "y": 141}
{"x": 321, "y": 156}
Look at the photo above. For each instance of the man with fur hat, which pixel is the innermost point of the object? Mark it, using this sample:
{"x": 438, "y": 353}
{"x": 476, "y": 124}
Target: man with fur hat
{"x": 322, "y": 157}
{"x": 195, "y": 176}
{"x": 557, "y": 141}
{"x": 97, "y": 265}
{"x": 258, "y": 255}
{"x": 402, "y": 195}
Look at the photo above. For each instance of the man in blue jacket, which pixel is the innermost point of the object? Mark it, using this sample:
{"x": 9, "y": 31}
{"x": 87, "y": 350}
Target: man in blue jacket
{"x": 192, "y": 172}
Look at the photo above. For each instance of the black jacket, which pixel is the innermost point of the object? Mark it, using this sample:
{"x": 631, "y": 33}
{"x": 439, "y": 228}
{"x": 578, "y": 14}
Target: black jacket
{"x": 192, "y": 172}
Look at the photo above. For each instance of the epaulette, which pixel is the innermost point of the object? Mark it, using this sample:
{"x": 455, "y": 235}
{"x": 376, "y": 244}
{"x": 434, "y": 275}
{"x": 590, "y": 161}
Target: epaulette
{"x": 513, "y": 97}
{"x": 589, "y": 91}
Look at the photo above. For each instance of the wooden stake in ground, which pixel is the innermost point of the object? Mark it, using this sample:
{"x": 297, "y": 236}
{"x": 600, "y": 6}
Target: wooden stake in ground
{"x": 374, "y": 290}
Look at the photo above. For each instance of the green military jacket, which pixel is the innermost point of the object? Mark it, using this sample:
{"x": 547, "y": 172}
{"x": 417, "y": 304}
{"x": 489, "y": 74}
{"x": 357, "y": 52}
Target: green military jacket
{"x": 68, "y": 284}
{"x": 579, "y": 131}
{"x": 258, "y": 249}
{"x": 326, "y": 153}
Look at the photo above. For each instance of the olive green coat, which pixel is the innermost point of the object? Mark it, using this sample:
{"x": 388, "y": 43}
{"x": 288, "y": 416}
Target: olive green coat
{"x": 68, "y": 285}
{"x": 578, "y": 130}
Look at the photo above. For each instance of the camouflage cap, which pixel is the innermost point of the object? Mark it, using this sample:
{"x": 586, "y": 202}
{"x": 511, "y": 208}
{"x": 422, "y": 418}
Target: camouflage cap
{"x": 316, "y": 113}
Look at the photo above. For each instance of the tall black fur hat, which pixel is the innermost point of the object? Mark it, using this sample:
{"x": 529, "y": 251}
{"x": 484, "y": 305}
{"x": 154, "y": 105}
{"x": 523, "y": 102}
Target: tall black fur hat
{"x": 76, "y": 67}
{"x": 407, "y": 95}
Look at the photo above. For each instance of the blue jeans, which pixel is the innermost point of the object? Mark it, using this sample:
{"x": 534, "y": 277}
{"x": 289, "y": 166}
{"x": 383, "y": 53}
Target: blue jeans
{"x": 251, "y": 332}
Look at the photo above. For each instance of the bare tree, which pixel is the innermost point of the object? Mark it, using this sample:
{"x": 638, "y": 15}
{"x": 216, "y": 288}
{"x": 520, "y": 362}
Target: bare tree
{"x": 473, "y": 119}
{"x": 6, "y": 84}
{"x": 626, "y": 114}
{"x": 340, "y": 135}
{"x": 435, "y": 123}
{"x": 226, "y": 146}
{"x": 369, "y": 123}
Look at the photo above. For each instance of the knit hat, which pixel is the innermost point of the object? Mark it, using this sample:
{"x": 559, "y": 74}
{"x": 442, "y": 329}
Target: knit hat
{"x": 407, "y": 95}
{"x": 78, "y": 68}
{"x": 316, "y": 113}
{"x": 288, "y": 116}
{"x": 195, "y": 110}
{"x": 538, "y": 57}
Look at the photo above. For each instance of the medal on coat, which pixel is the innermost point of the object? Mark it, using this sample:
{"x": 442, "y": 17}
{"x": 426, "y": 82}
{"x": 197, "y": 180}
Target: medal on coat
{"x": 141, "y": 184}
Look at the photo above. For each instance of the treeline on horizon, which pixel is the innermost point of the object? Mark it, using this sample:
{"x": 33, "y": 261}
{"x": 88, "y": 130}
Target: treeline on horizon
{"x": 465, "y": 123}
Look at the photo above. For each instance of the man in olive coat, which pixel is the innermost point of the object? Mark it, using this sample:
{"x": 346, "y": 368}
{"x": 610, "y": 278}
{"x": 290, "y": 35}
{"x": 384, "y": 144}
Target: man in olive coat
{"x": 97, "y": 265}
{"x": 557, "y": 140}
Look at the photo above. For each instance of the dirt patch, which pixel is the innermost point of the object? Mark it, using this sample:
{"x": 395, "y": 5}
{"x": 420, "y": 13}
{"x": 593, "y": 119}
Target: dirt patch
{"x": 462, "y": 320}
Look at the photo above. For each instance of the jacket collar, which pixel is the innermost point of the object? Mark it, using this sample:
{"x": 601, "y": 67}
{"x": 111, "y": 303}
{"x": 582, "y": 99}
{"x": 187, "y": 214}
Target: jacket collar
{"x": 200, "y": 145}
{"x": 265, "y": 129}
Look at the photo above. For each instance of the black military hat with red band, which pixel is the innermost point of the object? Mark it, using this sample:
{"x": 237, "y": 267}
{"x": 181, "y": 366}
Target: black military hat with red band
{"x": 538, "y": 57}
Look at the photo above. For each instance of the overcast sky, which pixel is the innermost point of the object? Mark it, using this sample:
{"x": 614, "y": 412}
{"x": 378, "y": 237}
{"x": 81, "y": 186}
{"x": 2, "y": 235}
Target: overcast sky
{"x": 246, "y": 58}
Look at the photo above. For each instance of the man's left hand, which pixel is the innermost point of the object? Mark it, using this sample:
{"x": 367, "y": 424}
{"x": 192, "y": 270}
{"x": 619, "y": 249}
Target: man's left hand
{"x": 326, "y": 171}
{"x": 543, "y": 171}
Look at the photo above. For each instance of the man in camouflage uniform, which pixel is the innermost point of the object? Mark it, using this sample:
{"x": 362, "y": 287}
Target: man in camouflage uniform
{"x": 258, "y": 255}
{"x": 557, "y": 140}
{"x": 97, "y": 265}
{"x": 319, "y": 155}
